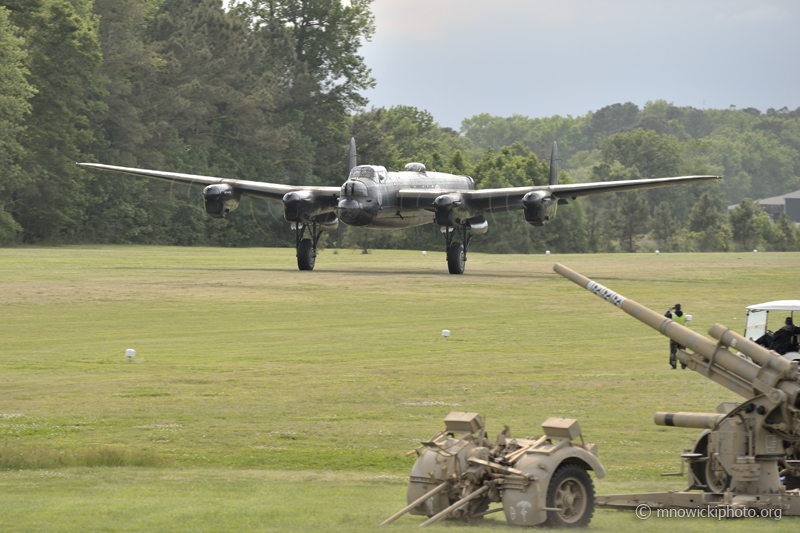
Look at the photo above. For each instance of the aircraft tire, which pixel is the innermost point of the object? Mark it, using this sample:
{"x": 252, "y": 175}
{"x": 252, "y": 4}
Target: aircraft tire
{"x": 571, "y": 491}
{"x": 456, "y": 258}
{"x": 306, "y": 255}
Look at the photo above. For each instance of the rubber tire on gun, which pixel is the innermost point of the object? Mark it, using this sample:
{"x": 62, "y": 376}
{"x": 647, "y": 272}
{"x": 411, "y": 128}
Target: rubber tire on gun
{"x": 571, "y": 490}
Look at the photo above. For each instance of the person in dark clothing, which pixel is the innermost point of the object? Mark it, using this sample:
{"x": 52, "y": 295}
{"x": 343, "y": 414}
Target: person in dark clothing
{"x": 678, "y": 316}
{"x": 785, "y": 339}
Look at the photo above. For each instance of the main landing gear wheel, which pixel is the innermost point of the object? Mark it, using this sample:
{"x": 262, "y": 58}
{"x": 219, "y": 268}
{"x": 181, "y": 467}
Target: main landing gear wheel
{"x": 571, "y": 491}
{"x": 456, "y": 258}
{"x": 306, "y": 255}
{"x": 456, "y": 251}
{"x": 306, "y": 248}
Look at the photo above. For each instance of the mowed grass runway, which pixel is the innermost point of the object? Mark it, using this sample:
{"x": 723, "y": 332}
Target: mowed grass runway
{"x": 262, "y": 398}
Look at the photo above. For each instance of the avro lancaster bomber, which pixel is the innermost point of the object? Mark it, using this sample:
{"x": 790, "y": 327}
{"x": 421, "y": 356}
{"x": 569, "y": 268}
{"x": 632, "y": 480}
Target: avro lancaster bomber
{"x": 372, "y": 197}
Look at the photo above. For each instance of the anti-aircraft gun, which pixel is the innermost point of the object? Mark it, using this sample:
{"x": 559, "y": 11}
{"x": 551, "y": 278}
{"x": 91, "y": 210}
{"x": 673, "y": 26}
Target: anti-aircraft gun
{"x": 748, "y": 455}
{"x": 459, "y": 472}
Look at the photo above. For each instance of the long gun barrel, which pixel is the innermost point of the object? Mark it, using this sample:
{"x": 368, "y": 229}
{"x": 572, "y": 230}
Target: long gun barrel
{"x": 714, "y": 360}
{"x": 688, "y": 420}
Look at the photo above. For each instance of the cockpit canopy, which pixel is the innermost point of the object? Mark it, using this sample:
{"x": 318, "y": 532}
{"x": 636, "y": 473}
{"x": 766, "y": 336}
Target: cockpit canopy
{"x": 415, "y": 167}
{"x": 371, "y": 172}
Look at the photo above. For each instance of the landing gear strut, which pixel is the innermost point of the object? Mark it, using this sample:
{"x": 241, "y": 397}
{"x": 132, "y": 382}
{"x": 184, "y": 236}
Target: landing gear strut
{"x": 457, "y": 251}
{"x": 306, "y": 248}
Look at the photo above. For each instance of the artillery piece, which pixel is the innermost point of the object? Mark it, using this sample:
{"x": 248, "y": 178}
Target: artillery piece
{"x": 748, "y": 455}
{"x": 459, "y": 473}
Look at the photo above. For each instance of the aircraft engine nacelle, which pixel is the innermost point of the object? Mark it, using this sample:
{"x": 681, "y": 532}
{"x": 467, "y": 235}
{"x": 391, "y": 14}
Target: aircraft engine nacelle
{"x": 302, "y": 206}
{"x": 539, "y": 207}
{"x": 451, "y": 210}
{"x": 220, "y": 199}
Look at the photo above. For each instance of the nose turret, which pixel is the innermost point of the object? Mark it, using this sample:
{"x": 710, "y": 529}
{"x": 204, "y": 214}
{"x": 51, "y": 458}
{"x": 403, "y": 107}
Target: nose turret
{"x": 355, "y": 207}
{"x": 355, "y": 211}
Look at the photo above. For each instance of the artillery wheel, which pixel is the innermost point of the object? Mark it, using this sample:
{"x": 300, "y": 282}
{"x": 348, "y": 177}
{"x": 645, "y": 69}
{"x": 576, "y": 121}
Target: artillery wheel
{"x": 710, "y": 480}
{"x": 456, "y": 258}
{"x": 571, "y": 491}
{"x": 716, "y": 480}
{"x": 306, "y": 255}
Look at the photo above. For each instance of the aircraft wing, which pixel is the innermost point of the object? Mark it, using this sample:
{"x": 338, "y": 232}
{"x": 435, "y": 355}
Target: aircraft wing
{"x": 510, "y": 199}
{"x": 255, "y": 189}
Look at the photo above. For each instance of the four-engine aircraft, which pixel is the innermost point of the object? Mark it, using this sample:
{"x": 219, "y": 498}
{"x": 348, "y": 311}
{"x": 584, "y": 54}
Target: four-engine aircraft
{"x": 374, "y": 198}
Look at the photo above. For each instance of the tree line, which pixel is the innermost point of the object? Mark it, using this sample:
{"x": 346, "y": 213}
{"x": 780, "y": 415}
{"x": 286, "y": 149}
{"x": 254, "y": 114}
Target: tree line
{"x": 271, "y": 90}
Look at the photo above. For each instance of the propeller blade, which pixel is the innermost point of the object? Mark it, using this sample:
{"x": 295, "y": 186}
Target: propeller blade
{"x": 554, "y": 165}
{"x": 351, "y": 155}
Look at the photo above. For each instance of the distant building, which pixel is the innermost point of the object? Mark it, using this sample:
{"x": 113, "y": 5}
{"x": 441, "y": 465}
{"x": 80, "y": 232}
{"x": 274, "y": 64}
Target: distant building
{"x": 788, "y": 203}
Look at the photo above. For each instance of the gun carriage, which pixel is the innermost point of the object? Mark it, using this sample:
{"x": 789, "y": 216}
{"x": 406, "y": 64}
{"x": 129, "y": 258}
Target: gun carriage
{"x": 748, "y": 454}
{"x": 459, "y": 472}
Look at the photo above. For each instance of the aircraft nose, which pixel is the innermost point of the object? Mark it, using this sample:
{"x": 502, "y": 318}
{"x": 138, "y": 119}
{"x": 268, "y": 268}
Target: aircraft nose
{"x": 348, "y": 203}
{"x": 348, "y": 210}
{"x": 353, "y": 213}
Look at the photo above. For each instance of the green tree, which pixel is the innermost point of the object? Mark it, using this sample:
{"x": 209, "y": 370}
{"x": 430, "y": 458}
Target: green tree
{"x": 707, "y": 222}
{"x": 757, "y": 164}
{"x": 537, "y": 134}
{"x": 654, "y": 156}
{"x": 658, "y": 156}
{"x": 633, "y": 216}
{"x": 326, "y": 35}
{"x": 63, "y": 57}
{"x": 664, "y": 226}
{"x": 210, "y": 97}
{"x": 611, "y": 119}
{"x": 313, "y": 47}
{"x": 402, "y": 134}
{"x": 748, "y": 222}
{"x": 373, "y": 132}
{"x": 14, "y": 108}
{"x": 129, "y": 62}
{"x": 213, "y": 87}
{"x": 124, "y": 210}
{"x": 513, "y": 166}
{"x": 786, "y": 234}
{"x": 601, "y": 210}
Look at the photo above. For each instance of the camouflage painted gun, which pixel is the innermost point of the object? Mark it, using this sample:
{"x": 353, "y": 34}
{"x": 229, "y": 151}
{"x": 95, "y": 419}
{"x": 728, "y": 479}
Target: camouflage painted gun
{"x": 459, "y": 473}
{"x": 749, "y": 453}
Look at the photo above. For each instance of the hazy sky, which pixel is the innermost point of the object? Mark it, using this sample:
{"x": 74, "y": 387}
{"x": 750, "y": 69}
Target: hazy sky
{"x": 459, "y": 58}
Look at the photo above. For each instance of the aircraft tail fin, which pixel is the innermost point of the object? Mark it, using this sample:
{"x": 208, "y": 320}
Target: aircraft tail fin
{"x": 351, "y": 155}
{"x": 554, "y": 165}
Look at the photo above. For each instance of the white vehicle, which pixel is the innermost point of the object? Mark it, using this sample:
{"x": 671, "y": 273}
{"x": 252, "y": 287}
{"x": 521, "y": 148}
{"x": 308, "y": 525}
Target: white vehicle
{"x": 756, "y": 324}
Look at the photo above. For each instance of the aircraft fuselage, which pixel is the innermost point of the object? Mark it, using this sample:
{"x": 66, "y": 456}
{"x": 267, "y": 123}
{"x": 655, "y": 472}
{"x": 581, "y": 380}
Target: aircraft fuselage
{"x": 370, "y": 196}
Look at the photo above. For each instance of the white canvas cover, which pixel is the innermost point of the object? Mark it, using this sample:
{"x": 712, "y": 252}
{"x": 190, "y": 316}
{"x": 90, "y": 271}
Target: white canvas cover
{"x": 778, "y": 305}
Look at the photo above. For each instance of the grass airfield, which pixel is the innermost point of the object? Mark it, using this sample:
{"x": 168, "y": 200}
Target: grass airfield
{"x": 262, "y": 398}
